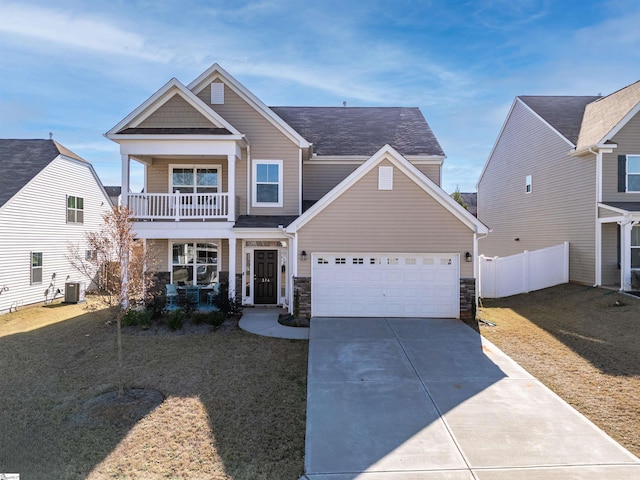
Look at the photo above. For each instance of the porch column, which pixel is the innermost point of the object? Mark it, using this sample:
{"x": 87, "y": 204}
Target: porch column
{"x": 625, "y": 255}
{"x": 232, "y": 267}
{"x": 231, "y": 186}
{"x": 125, "y": 180}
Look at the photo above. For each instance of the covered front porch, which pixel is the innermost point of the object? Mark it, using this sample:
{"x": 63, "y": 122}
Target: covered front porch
{"x": 618, "y": 255}
{"x": 257, "y": 269}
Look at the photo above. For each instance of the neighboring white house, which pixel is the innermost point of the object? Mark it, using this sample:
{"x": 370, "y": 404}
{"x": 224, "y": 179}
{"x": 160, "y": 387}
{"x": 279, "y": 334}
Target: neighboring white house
{"x": 49, "y": 198}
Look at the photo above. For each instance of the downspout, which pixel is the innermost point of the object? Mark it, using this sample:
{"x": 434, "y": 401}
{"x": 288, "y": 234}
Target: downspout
{"x": 249, "y": 200}
{"x": 598, "y": 245}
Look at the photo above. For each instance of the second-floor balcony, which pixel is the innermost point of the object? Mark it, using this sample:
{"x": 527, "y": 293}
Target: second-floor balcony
{"x": 181, "y": 206}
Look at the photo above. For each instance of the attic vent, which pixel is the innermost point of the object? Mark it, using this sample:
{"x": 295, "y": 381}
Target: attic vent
{"x": 385, "y": 178}
{"x": 217, "y": 93}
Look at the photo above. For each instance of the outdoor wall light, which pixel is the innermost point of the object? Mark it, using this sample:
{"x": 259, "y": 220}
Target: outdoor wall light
{"x": 467, "y": 256}
{"x": 303, "y": 256}
{"x": 516, "y": 239}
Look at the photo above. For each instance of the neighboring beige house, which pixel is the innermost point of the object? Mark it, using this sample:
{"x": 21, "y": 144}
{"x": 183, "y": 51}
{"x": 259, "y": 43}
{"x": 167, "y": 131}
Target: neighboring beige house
{"x": 339, "y": 207}
{"x": 568, "y": 169}
{"x": 49, "y": 198}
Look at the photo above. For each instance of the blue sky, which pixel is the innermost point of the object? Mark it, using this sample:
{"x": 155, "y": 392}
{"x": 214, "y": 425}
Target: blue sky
{"x": 76, "y": 68}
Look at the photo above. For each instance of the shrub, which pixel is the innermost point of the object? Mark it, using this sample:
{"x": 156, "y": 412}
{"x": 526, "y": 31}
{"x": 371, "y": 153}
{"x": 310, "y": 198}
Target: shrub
{"x": 175, "y": 320}
{"x": 217, "y": 318}
{"x": 144, "y": 318}
{"x": 130, "y": 318}
{"x": 224, "y": 302}
{"x": 137, "y": 317}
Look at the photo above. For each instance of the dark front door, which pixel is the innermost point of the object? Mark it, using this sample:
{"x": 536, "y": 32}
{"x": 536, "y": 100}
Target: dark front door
{"x": 265, "y": 283}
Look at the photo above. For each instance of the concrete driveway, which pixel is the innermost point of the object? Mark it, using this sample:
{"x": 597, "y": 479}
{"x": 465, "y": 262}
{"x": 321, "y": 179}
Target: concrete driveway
{"x": 430, "y": 399}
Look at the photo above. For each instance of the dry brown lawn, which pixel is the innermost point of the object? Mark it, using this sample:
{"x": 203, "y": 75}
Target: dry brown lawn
{"x": 584, "y": 344}
{"x": 233, "y": 404}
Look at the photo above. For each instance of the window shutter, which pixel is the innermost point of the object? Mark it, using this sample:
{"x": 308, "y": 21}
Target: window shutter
{"x": 622, "y": 173}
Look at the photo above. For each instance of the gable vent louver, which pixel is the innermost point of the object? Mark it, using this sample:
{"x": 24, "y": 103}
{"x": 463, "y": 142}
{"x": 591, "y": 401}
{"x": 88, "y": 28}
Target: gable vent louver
{"x": 385, "y": 178}
{"x": 217, "y": 93}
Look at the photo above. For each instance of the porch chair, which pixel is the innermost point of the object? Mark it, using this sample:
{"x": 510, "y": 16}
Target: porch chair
{"x": 172, "y": 297}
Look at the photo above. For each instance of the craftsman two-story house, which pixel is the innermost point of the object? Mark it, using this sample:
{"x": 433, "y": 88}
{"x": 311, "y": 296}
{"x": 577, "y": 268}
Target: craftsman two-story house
{"x": 339, "y": 207}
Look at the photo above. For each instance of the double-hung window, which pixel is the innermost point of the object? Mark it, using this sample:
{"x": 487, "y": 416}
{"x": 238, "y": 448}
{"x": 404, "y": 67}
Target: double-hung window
{"x": 192, "y": 179}
{"x": 633, "y": 173}
{"x": 197, "y": 185}
{"x": 267, "y": 183}
{"x": 36, "y": 267}
{"x": 75, "y": 209}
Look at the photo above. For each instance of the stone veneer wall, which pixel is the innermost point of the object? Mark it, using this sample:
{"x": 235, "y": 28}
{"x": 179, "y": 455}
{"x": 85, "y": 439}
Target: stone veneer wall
{"x": 302, "y": 285}
{"x": 468, "y": 302}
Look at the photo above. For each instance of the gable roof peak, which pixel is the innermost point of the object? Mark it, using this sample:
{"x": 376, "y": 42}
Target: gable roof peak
{"x": 215, "y": 71}
{"x": 606, "y": 116}
{"x": 160, "y": 97}
{"x": 563, "y": 113}
{"x": 23, "y": 159}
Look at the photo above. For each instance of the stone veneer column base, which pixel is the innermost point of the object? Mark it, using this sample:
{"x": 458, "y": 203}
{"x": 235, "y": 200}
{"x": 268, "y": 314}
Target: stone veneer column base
{"x": 468, "y": 302}
{"x": 302, "y": 285}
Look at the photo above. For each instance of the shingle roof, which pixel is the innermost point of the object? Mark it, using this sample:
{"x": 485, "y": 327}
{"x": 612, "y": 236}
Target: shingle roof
{"x": 362, "y": 130}
{"x": 113, "y": 190}
{"x": 21, "y": 160}
{"x": 564, "y": 113}
{"x": 264, "y": 221}
{"x": 603, "y": 115}
{"x": 628, "y": 206}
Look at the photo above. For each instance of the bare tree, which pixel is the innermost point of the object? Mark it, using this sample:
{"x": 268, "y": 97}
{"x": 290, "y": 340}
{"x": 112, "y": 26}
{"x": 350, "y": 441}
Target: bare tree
{"x": 114, "y": 265}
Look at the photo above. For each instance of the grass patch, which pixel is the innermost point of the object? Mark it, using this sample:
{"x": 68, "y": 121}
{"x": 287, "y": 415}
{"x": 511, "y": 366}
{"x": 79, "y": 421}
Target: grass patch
{"x": 234, "y": 403}
{"x": 584, "y": 344}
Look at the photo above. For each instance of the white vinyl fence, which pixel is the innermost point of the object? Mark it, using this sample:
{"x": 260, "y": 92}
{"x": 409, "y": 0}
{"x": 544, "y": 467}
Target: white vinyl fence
{"x": 524, "y": 272}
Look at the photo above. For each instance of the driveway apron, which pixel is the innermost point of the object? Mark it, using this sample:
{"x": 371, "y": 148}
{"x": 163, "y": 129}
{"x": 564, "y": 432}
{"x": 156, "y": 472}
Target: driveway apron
{"x": 430, "y": 399}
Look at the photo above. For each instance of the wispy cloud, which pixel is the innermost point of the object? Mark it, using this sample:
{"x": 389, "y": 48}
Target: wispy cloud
{"x": 74, "y": 30}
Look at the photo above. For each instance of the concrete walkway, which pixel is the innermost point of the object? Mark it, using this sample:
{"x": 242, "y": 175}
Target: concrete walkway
{"x": 264, "y": 321}
{"x": 429, "y": 399}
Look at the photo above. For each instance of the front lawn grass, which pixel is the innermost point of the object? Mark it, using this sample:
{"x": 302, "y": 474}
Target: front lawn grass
{"x": 584, "y": 344}
{"x": 234, "y": 403}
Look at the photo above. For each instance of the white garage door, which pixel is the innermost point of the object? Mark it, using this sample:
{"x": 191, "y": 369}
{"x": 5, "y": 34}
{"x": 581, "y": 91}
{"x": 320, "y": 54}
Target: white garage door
{"x": 385, "y": 285}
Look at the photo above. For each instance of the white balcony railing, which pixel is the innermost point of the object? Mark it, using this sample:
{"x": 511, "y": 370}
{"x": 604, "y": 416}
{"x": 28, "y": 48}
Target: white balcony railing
{"x": 179, "y": 206}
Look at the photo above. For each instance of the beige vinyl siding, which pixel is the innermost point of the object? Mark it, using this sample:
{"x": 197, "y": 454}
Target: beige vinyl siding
{"x": 267, "y": 143}
{"x": 610, "y": 269}
{"x": 430, "y": 171}
{"x": 561, "y": 206}
{"x": 158, "y": 176}
{"x": 318, "y": 179}
{"x": 628, "y": 140}
{"x": 606, "y": 213}
{"x": 403, "y": 220}
{"x": 176, "y": 112}
{"x": 35, "y": 220}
